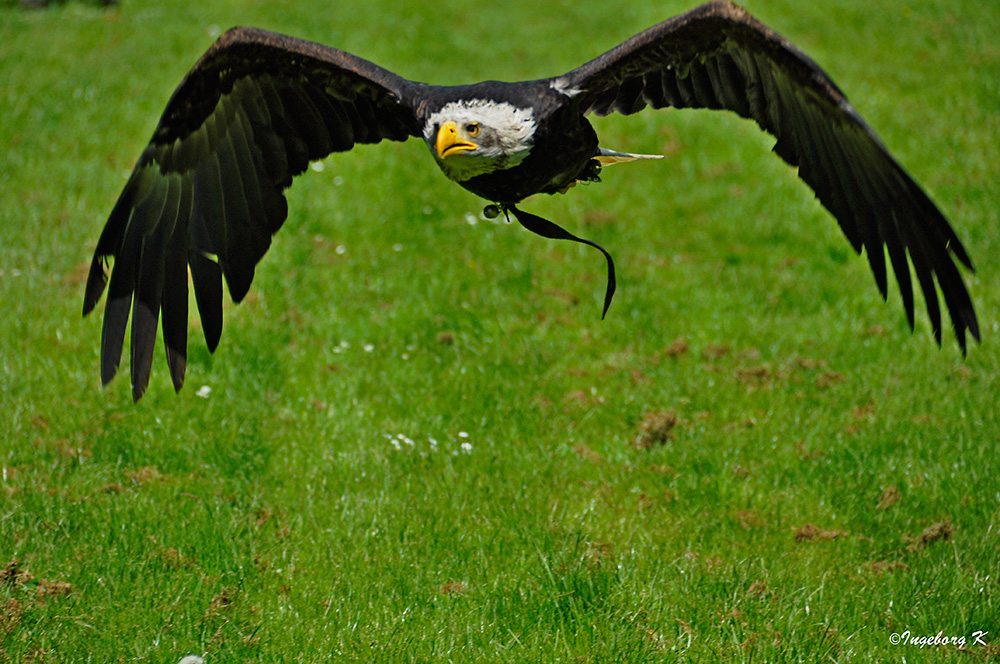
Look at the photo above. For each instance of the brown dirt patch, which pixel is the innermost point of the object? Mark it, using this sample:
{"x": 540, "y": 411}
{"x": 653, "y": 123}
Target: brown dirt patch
{"x": 14, "y": 575}
{"x": 883, "y": 566}
{"x": 715, "y": 351}
{"x": 890, "y": 496}
{"x": 810, "y": 532}
{"x": 53, "y": 588}
{"x": 453, "y": 588}
{"x": 677, "y": 347}
{"x": 942, "y": 530}
{"x": 10, "y": 615}
{"x": 587, "y": 454}
{"x": 754, "y": 375}
{"x": 656, "y": 428}
{"x": 599, "y": 552}
{"x": 222, "y": 602}
{"x": 749, "y": 519}
{"x": 829, "y": 379}
{"x": 145, "y": 475}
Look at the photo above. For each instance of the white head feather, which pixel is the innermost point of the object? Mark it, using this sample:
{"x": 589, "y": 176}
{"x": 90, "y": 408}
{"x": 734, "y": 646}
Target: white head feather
{"x": 508, "y": 134}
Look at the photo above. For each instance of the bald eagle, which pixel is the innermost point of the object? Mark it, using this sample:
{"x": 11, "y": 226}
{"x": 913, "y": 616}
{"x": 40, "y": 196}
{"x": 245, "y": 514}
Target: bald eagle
{"x": 206, "y": 194}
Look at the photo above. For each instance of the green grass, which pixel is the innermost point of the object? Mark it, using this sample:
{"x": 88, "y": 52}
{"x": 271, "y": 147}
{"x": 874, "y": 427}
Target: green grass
{"x": 283, "y": 519}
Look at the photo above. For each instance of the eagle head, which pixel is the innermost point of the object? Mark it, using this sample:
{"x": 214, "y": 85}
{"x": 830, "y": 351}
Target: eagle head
{"x": 475, "y": 137}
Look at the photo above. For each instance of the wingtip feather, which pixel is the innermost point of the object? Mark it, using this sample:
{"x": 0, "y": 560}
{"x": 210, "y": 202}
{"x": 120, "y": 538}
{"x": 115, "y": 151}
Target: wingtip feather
{"x": 113, "y": 336}
{"x": 97, "y": 281}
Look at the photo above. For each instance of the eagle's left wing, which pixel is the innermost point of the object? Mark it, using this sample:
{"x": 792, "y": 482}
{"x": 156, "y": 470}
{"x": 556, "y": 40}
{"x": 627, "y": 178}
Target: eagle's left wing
{"x": 717, "y": 56}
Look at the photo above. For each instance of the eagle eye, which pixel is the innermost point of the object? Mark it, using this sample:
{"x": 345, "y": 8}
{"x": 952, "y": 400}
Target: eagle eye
{"x": 473, "y": 129}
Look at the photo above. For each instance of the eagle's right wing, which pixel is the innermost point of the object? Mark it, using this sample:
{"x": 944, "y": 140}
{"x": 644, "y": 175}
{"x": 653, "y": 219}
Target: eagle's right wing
{"x": 206, "y": 193}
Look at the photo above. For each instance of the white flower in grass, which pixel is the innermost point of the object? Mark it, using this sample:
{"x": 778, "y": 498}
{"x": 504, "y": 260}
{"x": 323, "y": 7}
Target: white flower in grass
{"x": 204, "y": 392}
{"x": 467, "y": 448}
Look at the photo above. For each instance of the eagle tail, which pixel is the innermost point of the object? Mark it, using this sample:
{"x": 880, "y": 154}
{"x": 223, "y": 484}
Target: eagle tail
{"x": 607, "y": 157}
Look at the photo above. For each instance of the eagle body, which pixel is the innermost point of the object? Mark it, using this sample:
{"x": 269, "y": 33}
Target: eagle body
{"x": 207, "y": 193}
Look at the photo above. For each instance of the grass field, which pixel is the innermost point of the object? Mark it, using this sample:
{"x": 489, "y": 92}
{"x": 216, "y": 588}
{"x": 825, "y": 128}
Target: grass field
{"x": 419, "y": 442}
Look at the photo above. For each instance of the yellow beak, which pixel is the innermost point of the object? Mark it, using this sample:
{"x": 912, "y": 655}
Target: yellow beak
{"x": 448, "y": 142}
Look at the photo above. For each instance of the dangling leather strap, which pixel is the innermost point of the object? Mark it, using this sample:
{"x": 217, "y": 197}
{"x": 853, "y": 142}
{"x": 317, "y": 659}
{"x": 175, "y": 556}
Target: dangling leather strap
{"x": 547, "y": 229}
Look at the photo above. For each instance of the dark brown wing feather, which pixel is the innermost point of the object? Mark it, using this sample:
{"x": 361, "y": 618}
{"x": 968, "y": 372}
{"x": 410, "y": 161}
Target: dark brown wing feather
{"x": 207, "y": 191}
{"x": 719, "y": 57}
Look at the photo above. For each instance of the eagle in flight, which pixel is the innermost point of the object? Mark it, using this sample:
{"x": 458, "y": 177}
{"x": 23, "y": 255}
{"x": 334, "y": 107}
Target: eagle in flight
{"x": 206, "y": 194}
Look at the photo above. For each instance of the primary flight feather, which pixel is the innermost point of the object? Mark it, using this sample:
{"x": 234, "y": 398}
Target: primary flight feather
{"x": 206, "y": 195}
